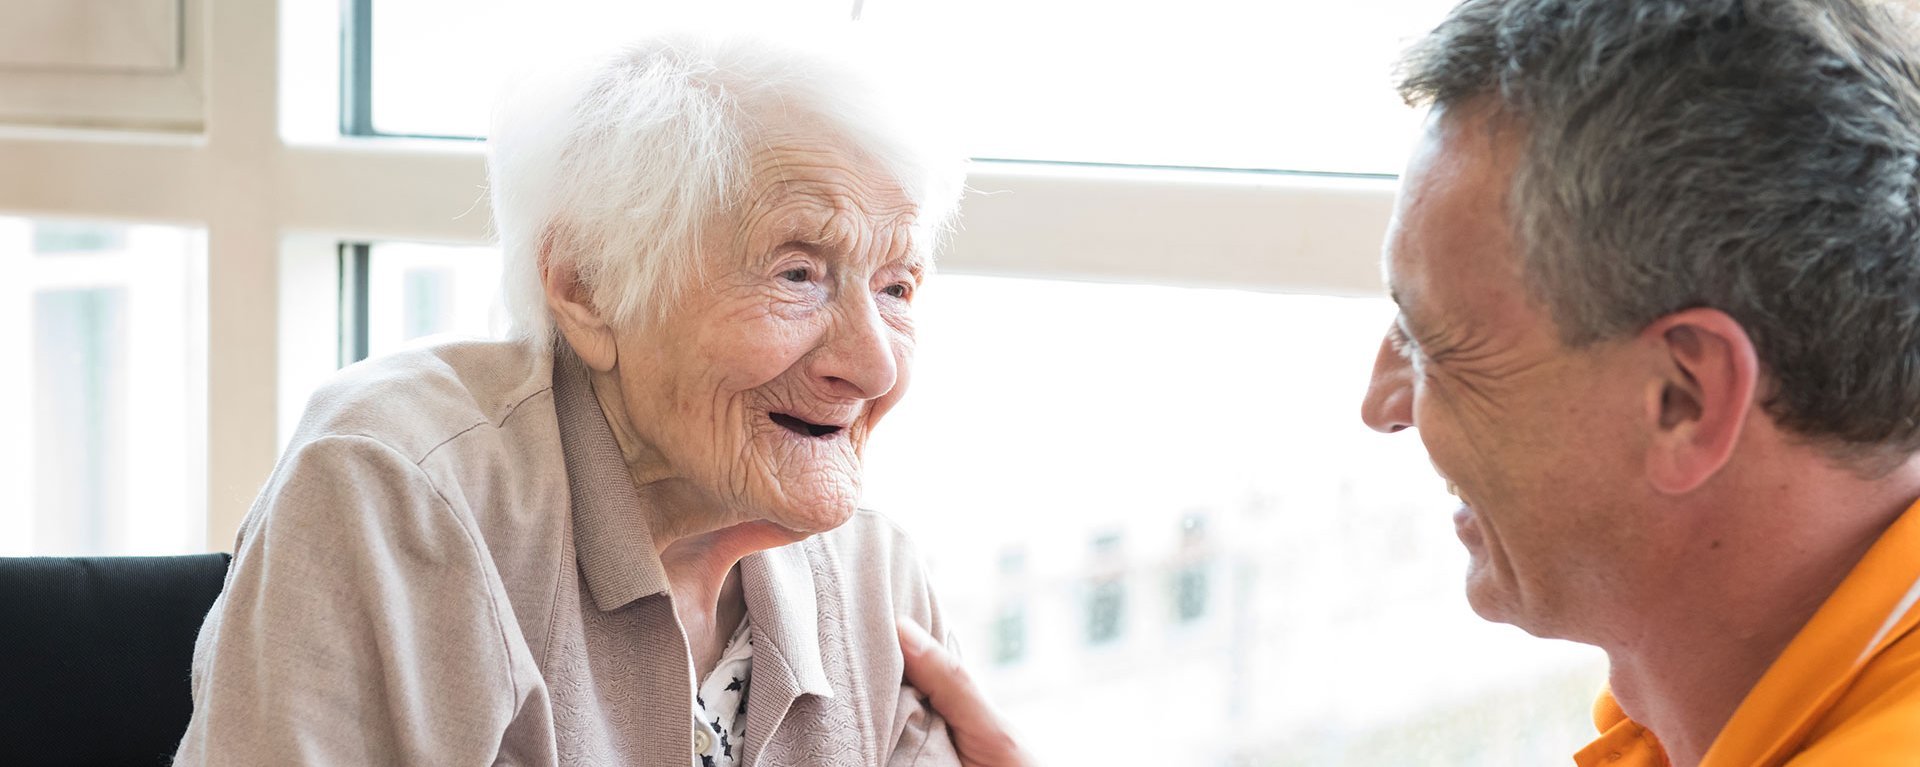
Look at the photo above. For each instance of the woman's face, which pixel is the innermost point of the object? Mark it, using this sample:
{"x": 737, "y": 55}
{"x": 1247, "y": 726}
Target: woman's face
{"x": 763, "y": 381}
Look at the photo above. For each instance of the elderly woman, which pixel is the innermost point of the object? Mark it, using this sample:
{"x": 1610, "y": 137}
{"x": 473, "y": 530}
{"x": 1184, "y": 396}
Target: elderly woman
{"x": 628, "y": 536}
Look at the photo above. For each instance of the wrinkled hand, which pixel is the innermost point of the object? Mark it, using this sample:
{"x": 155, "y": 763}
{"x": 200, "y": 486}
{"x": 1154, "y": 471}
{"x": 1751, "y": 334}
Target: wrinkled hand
{"x": 979, "y": 735}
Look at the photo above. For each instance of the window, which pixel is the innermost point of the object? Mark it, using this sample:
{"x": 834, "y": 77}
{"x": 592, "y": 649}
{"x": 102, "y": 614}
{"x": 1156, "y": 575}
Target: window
{"x": 1215, "y": 83}
{"x": 414, "y": 291}
{"x": 1190, "y": 593}
{"x": 111, "y": 63}
{"x": 1010, "y": 634}
{"x": 1127, "y": 435}
{"x": 1010, "y": 625}
{"x": 104, "y": 316}
{"x": 1191, "y": 566}
{"x": 1106, "y": 591}
{"x": 1106, "y": 609}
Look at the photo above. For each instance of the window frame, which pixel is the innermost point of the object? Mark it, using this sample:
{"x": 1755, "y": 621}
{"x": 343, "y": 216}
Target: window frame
{"x": 163, "y": 101}
{"x": 279, "y": 191}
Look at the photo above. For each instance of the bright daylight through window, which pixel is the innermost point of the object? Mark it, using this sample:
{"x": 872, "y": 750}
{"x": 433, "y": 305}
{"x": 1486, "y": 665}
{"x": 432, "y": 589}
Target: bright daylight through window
{"x": 1208, "y": 83}
{"x": 105, "y": 317}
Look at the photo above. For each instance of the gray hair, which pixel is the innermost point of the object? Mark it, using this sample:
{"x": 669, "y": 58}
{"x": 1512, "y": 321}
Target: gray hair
{"x": 618, "y": 164}
{"x": 1760, "y": 157}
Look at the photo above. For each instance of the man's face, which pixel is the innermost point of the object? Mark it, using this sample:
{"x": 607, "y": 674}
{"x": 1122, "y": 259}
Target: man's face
{"x": 766, "y": 377}
{"x": 1535, "y": 438}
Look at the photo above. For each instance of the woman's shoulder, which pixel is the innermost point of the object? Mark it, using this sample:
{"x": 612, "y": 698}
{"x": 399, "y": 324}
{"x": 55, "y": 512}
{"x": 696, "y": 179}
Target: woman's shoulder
{"x": 416, "y": 399}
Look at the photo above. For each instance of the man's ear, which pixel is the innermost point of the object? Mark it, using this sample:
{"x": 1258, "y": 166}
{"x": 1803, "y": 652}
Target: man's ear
{"x": 1698, "y": 404}
{"x": 570, "y": 304}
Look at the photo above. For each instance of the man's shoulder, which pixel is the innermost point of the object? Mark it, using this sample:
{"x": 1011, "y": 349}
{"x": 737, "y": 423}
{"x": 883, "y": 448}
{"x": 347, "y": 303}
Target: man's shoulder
{"x": 1877, "y": 720}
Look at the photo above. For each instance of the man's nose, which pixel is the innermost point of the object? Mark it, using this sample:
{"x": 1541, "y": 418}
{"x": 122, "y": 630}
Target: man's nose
{"x": 857, "y": 360}
{"x": 1388, "y": 406}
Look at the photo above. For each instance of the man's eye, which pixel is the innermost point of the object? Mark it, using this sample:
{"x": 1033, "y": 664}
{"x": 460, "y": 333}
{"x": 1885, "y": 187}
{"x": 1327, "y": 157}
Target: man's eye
{"x": 797, "y": 274}
{"x": 1403, "y": 343}
{"x": 897, "y": 290}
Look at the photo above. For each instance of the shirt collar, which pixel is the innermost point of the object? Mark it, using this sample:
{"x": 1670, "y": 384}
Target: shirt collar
{"x": 1622, "y": 742}
{"x": 780, "y": 594}
{"x": 610, "y": 533}
{"x": 618, "y": 560}
{"x": 1869, "y": 611}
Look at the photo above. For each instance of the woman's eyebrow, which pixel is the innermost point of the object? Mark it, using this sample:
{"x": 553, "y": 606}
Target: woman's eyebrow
{"x": 916, "y": 264}
{"x": 809, "y": 247}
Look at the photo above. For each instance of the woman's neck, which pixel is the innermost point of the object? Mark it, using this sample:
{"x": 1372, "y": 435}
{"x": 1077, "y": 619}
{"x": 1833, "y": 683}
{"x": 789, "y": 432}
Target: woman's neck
{"x": 703, "y": 574}
{"x": 699, "y": 539}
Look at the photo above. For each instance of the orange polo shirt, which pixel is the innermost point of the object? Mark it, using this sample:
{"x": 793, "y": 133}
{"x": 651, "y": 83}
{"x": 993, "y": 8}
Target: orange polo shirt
{"x": 1845, "y": 692}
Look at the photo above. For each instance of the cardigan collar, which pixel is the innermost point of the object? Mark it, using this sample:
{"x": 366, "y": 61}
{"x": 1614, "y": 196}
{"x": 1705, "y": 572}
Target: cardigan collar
{"x": 620, "y": 564}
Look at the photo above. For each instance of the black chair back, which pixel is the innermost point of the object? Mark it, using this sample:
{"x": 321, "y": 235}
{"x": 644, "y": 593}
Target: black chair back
{"x": 95, "y": 656}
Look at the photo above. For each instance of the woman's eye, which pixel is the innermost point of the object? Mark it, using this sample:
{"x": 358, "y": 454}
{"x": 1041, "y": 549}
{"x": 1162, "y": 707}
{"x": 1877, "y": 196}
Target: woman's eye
{"x": 897, "y": 290}
{"x": 797, "y": 274}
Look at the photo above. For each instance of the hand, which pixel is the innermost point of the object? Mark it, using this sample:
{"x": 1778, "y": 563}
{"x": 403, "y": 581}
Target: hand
{"x": 979, "y": 735}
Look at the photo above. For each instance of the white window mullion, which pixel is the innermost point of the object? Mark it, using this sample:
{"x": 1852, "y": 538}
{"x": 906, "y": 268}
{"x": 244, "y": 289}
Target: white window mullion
{"x": 1266, "y": 231}
{"x": 242, "y": 274}
{"x": 103, "y": 175}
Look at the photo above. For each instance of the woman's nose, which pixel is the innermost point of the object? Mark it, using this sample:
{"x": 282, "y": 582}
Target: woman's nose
{"x": 858, "y": 358}
{"x": 1388, "y": 406}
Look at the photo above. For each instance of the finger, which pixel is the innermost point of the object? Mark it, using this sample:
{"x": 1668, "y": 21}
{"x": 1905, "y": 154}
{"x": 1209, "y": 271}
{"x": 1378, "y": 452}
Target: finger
{"x": 938, "y": 675}
{"x": 979, "y": 736}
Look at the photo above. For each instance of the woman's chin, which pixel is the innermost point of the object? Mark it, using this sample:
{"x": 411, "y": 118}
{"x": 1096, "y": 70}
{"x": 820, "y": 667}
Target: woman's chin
{"x": 807, "y": 502}
{"x": 811, "y": 519}
{"x": 761, "y": 534}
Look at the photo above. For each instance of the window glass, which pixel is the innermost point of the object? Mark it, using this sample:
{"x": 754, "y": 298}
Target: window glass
{"x": 1220, "y": 559}
{"x": 437, "y": 64}
{"x": 415, "y": 291}
{"x": 1206, "y": 83}
{"x": 110, "y": 461}
{"x": 1009, "y": 634}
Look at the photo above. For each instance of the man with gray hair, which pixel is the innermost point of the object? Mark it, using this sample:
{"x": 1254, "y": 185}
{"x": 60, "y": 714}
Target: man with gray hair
{"x": 1658, "y": 270}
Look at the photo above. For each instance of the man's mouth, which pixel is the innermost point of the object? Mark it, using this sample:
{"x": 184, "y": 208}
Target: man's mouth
{"x": 802, "y": 427}
{"x": 1453, "y": 489}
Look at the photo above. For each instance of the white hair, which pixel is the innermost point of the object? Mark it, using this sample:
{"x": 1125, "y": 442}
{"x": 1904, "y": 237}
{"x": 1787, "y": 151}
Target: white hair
{"x": 619, "y": 163}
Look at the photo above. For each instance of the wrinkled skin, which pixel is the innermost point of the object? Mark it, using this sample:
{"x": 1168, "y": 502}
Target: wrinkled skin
{"x": 801, "y": 315}
{"x": 1539, "y": 440}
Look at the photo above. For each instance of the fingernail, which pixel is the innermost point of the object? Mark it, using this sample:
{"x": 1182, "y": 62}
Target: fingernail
{"x": 912, "y": 637}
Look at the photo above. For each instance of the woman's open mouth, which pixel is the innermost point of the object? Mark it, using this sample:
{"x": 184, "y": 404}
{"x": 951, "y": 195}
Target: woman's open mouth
{"x": 803, "y": 428}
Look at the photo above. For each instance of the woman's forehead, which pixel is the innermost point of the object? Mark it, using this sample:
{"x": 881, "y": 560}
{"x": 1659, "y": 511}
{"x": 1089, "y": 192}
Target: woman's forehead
{"x": 803, "y": 173}
{"x": 825, "y": 198}
{"x": 823, "y": 228}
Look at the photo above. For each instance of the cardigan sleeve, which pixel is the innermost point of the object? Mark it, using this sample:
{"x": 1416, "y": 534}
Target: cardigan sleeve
{"x": 357, "y": 625}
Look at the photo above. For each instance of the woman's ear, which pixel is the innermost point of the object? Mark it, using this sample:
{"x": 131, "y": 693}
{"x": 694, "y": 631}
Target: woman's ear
{"x": 1699, "y": 403}
{"x": 570, "y": 303}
